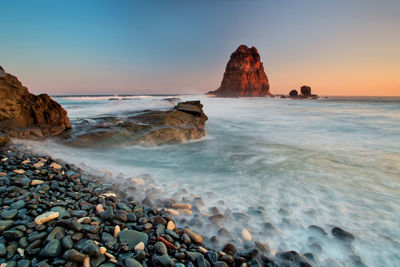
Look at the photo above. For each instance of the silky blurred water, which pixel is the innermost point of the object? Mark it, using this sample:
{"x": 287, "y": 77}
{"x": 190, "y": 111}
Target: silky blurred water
{"x": 328, "y": 162}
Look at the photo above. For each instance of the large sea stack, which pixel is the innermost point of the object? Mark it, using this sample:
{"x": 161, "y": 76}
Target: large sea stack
{"x": 244, "y": 75}
{"x": 25, "y": 115}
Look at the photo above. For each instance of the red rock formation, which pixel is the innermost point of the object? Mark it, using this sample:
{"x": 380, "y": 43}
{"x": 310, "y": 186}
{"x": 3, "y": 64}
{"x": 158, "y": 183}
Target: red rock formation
{"x": 244, "y": 75}
{"x": 25, "y": 115}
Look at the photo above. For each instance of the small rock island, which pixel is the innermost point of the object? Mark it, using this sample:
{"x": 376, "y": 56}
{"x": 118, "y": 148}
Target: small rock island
{"x": 244, "y": 75}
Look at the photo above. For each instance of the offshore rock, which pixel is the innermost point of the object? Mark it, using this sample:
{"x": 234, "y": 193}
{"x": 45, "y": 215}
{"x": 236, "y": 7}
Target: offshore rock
{"x": 148, "y": 128}
{"x": 244, "y": 75}
{"x": 25, "y": 115}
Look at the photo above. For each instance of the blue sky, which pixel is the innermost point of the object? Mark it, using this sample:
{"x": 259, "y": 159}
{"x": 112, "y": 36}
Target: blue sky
{"x": 105, "y": 46}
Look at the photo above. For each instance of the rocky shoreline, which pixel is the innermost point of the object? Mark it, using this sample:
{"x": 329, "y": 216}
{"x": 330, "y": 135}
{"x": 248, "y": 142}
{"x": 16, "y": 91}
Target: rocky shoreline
{"x": 54, "y": 214}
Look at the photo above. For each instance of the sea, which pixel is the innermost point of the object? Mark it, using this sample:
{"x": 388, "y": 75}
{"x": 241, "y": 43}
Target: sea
{"x": 274, "y": 167}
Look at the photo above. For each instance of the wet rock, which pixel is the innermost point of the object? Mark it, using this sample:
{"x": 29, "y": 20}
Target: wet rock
{"x": 292, "y": 257}
{"x": 160, "y": 248}
{"x": 74, "y": 255}
{"x": 9, "y": 214}
{"x": 318, "y": 230}
{"x": 45, "y": 217}
{"x": 229, "y": 248}
{"x": 132, "y": 237}
{"x": 249, "y": 253}
{"x": 196, "y": 238}
{"x": 342, "y": 234}
{"x": 245, "y": 234}
{"x": 5, "y": 225}
{"x": 90, "y": 248}
{"x": 130, "y": 262}
{"x": 52, "y": 249}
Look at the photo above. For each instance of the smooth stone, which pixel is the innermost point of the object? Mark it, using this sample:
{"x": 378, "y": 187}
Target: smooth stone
{"x": 229, "y": 248}
{"x": 220, "y": 264}
{"x": 132, "y": 237}
{"x": 62, "y": 212}
{"x": 3, "y": 250}
{"x": 52, "y": 249}
{"x": 186, "y": 239}
{"x": 70, "y": 224}
{"x": 164, "y": 261}
{"x": 173, "y": 234}
{"x": 200, "y": 261}
{"x": 53, "y": 234}
{"x": 9, "y": 214}
{"x": 90, "y": 248}
{"x": 5, "y": 225}
{"x": 18, "y": 205}
{"x": 182, "y": 206}
{"x": 196, "y": 238}
{"x": 74, "y": 255}
{"x": 318, "y": 230}
{"x": 245, "y": 234}
{"x": 24, "y": 263}
{"x": 45, "y": 217}
{"x": 170, "y": 225}
{"x": 12, "y": 234}
{"x": 342, "y": 234}
{"x": 130, "y": 262}
{"x": 140, "y": 246}
{"x": 249, "y": 253}
{"x": 67, "y": 242}
{"x": 160, "y": 248}
{"x": 212, "y": 256}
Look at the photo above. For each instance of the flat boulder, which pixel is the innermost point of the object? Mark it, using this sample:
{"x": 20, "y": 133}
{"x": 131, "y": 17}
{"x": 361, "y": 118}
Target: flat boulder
{"x": 186, "y": 121}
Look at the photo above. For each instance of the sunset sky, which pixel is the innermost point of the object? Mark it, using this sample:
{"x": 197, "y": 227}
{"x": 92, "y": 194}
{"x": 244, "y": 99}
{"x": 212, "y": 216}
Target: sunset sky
{"x": 341, "y": 47}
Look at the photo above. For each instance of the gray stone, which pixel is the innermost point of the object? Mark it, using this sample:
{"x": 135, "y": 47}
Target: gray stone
{"x": 9, "y": 214}
{"x": 132, "y": 237}
{"x": 52, "y": 249}
{"x": 132, "y": 263}
{"x": 5, "y": 225}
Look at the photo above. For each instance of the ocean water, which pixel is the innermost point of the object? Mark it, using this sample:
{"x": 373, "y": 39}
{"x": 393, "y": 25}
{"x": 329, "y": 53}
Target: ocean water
{"x": 291, "y": 163}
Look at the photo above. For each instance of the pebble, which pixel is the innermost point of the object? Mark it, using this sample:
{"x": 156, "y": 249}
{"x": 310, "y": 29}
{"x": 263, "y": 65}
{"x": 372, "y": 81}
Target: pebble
{"x": 38, "y": 165}
{"x": 19, "y": 171}
{"x": 182, "y": 206}
{"x": 194, "y": 236}
{"x": 45, "y": 217}
{"x": 99, "y": 208}
{"x": 170, "y": 225}
{"x": 117, "y": 229}
{"x": 55, "y": 166}
{"x": 108, "y": 195}
{"x": 245, "y": 234}
{"x": 9, "y": 214}
{"x": 86, "y": 261}
{"x": 173, "y": 212}
{"x": 52, "y": 249}
{"x": 138, "y": 181}
{"x": 37, "y": 182}
{"x": 132, "y": 237}
{"x": 139, "y": 246}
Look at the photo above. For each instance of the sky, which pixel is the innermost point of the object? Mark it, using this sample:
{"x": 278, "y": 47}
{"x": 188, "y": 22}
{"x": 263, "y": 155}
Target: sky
{"x": 341, "y": 47}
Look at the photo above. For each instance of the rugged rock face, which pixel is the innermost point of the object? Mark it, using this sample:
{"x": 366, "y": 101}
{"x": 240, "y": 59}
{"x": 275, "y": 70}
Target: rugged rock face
{"x": 148, "y": 128}
{"x": 244, "y": 75}
{"x": 25, "y": 115}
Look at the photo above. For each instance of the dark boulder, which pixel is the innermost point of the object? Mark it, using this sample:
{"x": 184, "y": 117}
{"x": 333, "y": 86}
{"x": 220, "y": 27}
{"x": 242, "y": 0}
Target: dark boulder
{"x": 293, "y": 93}
{"x": 305, "y": 90}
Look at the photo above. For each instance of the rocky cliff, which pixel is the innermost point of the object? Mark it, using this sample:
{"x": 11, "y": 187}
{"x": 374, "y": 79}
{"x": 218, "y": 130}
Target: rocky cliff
{"x": 244, "y": 75}
{"x": 25, "y": 115}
